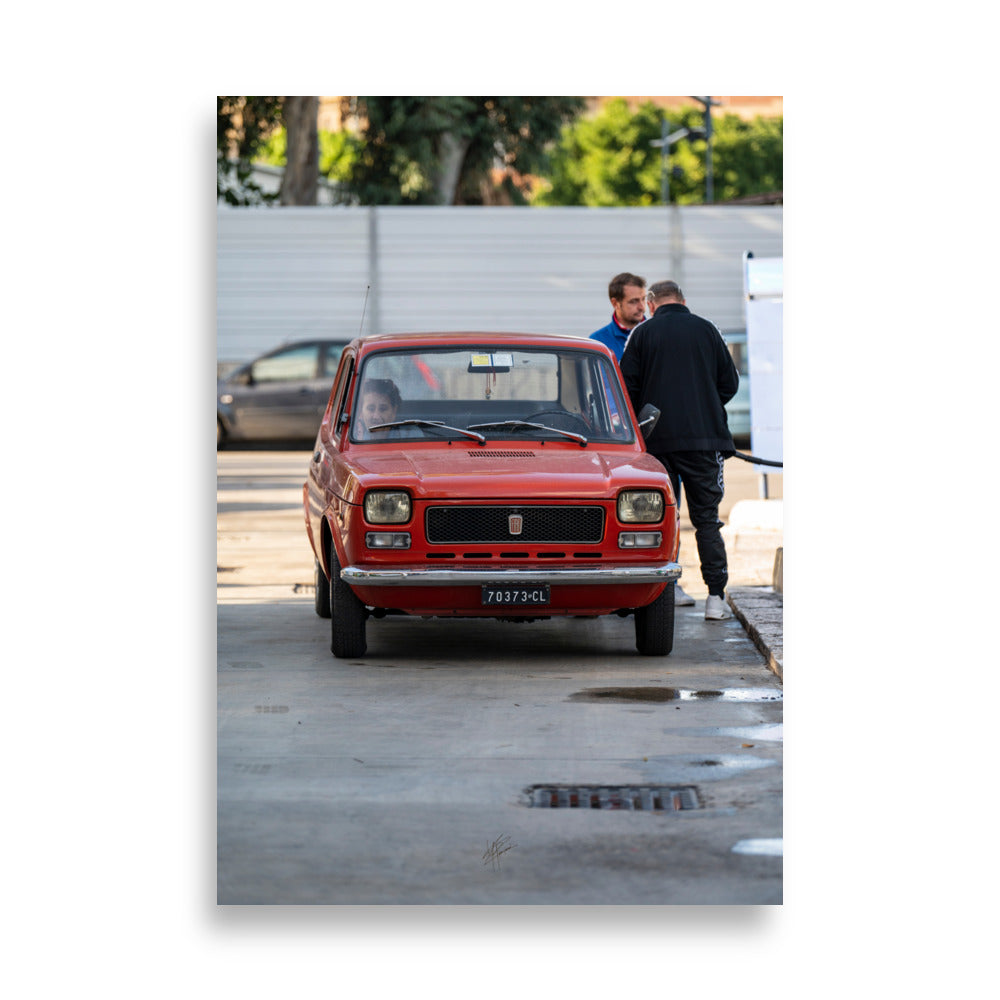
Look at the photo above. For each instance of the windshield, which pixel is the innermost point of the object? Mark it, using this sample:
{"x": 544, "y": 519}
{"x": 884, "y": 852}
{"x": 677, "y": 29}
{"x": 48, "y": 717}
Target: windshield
{"x": 491, "y": 392}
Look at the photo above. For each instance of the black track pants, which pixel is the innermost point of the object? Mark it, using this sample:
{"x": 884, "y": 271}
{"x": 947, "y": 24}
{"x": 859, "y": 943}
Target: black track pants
{"x": 701, "y": 472}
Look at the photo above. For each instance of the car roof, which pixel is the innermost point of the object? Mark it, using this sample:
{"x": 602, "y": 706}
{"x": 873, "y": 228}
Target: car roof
{"x": 472, "y": 338}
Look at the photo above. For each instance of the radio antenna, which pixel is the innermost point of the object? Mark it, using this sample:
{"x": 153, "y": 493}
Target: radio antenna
{"x": 364, "y": 309}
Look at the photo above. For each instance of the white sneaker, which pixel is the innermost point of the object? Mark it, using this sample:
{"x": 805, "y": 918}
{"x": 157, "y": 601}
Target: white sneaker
{"x": 680, "y": 598}
{"x": 716, "y": 609}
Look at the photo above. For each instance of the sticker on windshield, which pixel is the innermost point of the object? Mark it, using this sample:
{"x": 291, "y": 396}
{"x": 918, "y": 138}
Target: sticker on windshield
{"x": 490, "y": 362}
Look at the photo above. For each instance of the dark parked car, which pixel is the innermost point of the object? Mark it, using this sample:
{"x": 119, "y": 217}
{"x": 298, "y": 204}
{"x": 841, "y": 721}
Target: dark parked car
{"x": 488, "y": 475}
{"x": 280, "y": 396}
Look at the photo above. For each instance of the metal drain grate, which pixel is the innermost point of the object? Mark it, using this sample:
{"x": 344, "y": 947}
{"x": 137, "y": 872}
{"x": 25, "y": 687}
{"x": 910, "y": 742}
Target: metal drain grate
{"x": 651, "y": 798}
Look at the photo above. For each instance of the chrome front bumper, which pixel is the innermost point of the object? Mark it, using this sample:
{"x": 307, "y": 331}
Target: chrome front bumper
{"x": 434, "y": 576}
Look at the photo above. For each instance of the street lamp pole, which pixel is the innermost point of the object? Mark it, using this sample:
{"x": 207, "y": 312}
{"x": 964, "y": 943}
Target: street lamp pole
{"x": 664, "y": 145}
{"x": 664, "y": 172}
{"x": 665, "y": 142}
{"x": 707, "y": 104}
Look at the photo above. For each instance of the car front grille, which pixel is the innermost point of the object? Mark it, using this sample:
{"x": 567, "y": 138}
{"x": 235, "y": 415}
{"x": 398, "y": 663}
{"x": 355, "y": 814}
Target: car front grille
{"x": 467, "y": 523}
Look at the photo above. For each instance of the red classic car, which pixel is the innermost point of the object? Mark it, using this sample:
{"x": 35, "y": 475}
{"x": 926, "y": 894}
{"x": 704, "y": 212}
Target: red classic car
{"x": 497, "y": 475}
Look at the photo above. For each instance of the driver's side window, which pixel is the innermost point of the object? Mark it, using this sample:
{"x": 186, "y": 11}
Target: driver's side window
{"x": 340, "y": 406}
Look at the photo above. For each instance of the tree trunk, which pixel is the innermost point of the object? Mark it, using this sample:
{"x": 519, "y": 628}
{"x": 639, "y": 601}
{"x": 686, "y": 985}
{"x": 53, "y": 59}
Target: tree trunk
{"x": 300, "y": 185}
{"x": 451, "y": 150}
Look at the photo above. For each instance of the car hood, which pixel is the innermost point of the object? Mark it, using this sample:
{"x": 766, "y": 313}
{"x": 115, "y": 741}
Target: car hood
{"x": 506, "y": 470}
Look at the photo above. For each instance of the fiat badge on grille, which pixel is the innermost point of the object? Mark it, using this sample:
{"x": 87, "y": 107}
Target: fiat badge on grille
{"x": 514, "y": 524}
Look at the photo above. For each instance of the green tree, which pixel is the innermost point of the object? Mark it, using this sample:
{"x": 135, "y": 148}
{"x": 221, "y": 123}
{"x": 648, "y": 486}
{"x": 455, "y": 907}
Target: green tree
{"x": 242, "y": 127}
{"x": 607, "y": 160}
{"x": 443, "y": 150}
{"x": 747, "y": 157}
{"x": 337, "y": 152}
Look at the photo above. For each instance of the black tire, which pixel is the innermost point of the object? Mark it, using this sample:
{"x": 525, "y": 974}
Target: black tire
{"x": 348, "y": 614}
{"x": 220, "y": 435}
{"x": 654, "y": 625}
{"x": 322, "y": 591}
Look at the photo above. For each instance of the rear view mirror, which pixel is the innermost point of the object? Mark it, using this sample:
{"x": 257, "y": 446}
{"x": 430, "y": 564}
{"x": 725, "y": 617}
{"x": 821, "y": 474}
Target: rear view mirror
{"x": 648, "y": 417}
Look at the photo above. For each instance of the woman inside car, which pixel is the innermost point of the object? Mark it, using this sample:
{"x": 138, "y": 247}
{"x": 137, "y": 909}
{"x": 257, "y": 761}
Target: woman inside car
{"x": 380, "y": 401}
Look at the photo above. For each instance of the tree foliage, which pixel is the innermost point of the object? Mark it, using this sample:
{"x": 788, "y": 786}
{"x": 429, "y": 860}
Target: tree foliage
{"x": 337, "y": 152}
{"x": 243, "y": 124}
{"x": 608, "y": 160}
{"x": 453, "y": 150}
{"x": 492, "y": 150}
{"x": 748, "y": 157}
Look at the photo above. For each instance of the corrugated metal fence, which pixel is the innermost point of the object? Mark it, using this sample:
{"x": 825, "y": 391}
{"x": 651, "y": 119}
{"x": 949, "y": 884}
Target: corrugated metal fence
{"x": 287, "y": 274}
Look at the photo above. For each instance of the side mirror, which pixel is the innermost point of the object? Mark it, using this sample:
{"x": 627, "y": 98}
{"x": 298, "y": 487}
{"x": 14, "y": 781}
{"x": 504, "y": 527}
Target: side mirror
{"x": 648, "y": 417}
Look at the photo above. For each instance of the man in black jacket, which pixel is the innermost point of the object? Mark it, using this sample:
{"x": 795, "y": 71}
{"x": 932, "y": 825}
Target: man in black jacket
{"x": 679, "y": 362}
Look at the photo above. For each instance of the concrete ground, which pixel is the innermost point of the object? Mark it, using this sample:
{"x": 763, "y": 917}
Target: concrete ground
{"x": 390, "y": 779}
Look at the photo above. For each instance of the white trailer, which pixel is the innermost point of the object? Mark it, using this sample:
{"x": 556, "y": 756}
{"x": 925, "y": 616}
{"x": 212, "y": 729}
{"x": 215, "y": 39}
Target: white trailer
{"x": 763, "y": 289}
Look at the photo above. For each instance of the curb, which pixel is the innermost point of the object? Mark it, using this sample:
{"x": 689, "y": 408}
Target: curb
{"x": 760, "y": 610}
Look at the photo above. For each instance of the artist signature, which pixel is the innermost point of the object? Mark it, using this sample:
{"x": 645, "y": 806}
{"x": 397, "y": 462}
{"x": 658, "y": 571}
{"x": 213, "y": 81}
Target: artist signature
{"x": 499, "y": 847}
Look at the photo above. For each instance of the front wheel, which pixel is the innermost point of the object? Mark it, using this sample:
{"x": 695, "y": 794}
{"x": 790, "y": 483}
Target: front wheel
{"x": 654, "y": 625}
{"x": 348, "y": 616}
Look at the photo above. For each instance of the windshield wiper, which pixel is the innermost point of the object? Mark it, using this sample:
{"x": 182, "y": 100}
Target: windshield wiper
{"x": 439, "y": 425}
{"x": 518, "y": 425}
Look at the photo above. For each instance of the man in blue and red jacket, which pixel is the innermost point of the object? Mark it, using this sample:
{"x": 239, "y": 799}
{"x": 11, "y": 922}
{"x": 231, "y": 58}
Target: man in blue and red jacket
{"x": 628, "y": 303}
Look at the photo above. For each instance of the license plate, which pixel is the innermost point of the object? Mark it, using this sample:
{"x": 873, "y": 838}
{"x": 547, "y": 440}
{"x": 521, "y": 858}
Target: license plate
{"x": 529, "y": 593}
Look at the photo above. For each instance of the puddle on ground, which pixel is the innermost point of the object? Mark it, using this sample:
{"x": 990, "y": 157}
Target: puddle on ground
{"x": 629, "y": 694}
{"x": 770, "y": 846}
{"x": 773, "y": 732}
{"x": 734, "y": 763}
{"x": 701, "y": 769}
